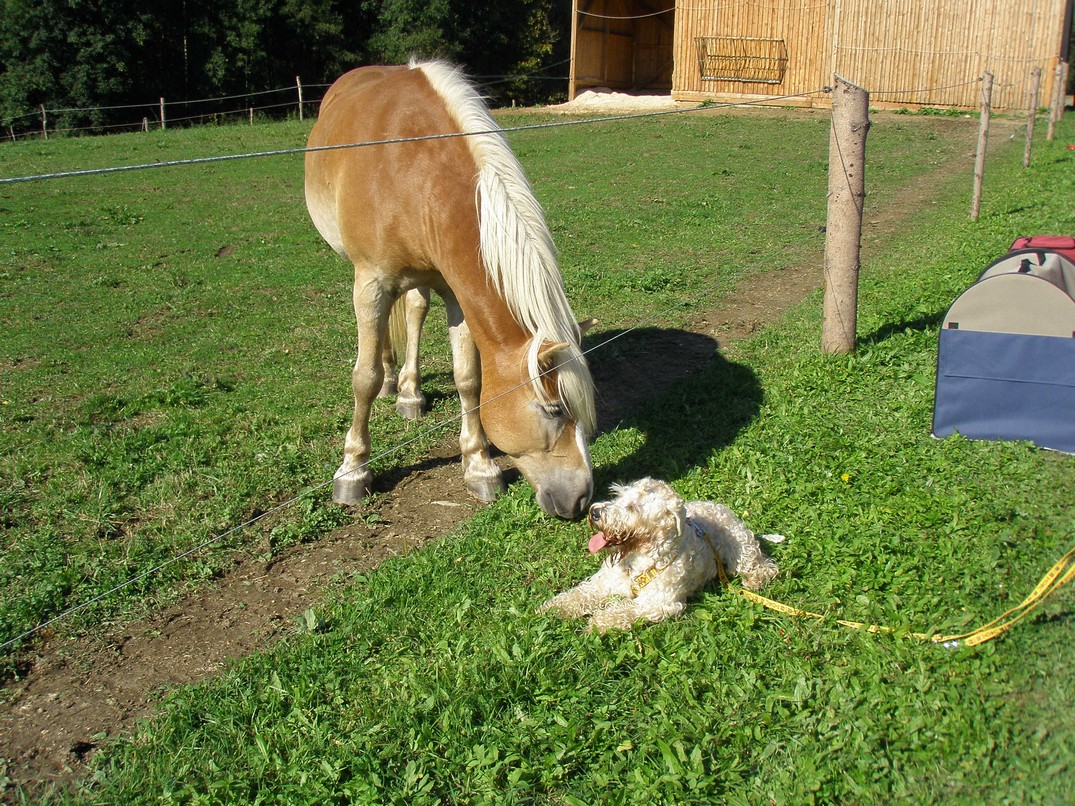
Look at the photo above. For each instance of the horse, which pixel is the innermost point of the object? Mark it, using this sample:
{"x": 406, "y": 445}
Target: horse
{"x": 431, "y": 196}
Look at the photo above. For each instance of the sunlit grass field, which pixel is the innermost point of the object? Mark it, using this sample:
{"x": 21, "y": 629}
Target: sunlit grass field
{"x": 175, "y": 355}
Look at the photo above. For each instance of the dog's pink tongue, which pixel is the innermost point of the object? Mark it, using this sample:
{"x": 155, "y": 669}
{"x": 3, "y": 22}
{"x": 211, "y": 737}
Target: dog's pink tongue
{"x": 598, "y": 542}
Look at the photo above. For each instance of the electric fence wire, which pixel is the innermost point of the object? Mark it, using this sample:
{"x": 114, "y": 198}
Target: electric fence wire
{"x": 393, "y": 141}
{"x": 484, "y": 81}
{"x": 707, "y": 291}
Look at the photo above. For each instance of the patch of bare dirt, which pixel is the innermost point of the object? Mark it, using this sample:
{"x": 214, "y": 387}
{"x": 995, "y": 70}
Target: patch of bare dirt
{"x": 75, "y": 694}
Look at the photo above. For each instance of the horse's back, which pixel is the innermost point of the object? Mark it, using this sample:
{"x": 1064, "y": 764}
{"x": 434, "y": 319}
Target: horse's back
{"x": 387, "y": 203}
{"x": 396, "y": 99}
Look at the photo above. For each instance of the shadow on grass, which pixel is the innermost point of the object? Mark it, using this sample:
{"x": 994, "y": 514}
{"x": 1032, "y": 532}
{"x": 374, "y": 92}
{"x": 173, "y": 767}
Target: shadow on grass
{"x": 929, "y": 321}
{"x": 678, "y": 390}
{"x": 672, "y": 385}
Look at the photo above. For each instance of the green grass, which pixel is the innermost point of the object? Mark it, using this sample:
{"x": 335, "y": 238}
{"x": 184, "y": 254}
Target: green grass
{"x": 177, "y": 342}
{"x": 432, "y": 679}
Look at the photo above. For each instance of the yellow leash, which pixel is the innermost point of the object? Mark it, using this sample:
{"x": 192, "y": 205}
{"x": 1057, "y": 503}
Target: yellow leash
{"x": 1059, "y": 575}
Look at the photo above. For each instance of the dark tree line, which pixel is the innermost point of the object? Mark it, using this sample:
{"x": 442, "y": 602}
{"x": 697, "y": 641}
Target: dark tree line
{"x": 78, "y": 54}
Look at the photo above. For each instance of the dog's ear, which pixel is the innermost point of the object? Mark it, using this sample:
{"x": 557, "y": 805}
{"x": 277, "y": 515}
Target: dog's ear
{"x": 668, "y": 519}
{"x": 677, "y": 515}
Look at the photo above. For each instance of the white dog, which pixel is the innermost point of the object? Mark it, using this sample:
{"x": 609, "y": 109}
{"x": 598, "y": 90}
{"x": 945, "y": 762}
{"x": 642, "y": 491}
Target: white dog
{"x": 660, "y": 552}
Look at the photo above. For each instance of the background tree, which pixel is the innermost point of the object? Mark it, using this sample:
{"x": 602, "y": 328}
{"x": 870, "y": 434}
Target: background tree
{"x": 70, "y": 54}
{"x": 505, "y": 44}
{"x": 78, "y": 54}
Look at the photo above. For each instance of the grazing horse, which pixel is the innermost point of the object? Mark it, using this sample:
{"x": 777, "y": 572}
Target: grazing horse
{"x": 457, "y": 215}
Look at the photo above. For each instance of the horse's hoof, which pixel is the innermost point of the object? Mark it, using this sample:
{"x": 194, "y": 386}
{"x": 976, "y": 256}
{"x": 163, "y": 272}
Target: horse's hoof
{"x": 411, "y": 408}
{"x": 388, "y": 388}
{"x": 486, "y": 490}
{"x": 350, "y": 490}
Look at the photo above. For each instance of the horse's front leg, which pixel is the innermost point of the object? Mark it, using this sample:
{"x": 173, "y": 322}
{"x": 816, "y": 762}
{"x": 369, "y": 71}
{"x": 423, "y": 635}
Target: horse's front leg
{"x": 372, "y": 306}
{"x": 480, "y": 472}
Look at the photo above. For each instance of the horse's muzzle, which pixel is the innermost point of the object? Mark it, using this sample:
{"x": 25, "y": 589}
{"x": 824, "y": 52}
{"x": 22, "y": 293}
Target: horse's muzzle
{"x": 568, "y": 502}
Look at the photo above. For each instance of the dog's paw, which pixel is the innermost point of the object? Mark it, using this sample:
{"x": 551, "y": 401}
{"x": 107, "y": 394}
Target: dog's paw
{"x": 602, "y": 622}
{"x": 759, "y": 576}
{"x": 566, "y": 605}
{"x": 622, "y": 614}
{"x": 550, "y": 607}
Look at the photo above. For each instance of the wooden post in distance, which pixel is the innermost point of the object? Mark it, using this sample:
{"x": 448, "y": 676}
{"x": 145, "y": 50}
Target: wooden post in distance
{"x": 1035, "y": 88}
{"x": 983, "y": 143}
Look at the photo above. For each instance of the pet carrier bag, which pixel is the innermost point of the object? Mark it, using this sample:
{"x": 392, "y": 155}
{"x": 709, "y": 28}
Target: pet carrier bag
{"x": 1006, "y": 357}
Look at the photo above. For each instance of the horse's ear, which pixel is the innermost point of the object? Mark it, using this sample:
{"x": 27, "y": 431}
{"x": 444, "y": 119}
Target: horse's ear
{"x": 586, "y": 324}
{"x": 547, "y": 354}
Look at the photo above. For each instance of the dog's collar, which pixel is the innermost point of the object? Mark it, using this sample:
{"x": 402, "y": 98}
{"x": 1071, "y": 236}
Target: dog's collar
{"x": 647, "y": 576}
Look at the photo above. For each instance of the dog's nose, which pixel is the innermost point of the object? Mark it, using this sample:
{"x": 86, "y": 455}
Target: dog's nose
{"x": 595, "y": 514}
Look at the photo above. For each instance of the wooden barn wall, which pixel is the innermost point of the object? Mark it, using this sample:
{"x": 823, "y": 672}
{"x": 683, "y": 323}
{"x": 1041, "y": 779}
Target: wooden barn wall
{"x": 623, "y": 45}
{"x": 934, "y": 51}
{"x": 905, "y": 52}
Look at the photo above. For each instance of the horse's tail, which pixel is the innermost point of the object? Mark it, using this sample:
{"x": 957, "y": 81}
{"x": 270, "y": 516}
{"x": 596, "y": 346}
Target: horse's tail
{"x": 397, "y": 327}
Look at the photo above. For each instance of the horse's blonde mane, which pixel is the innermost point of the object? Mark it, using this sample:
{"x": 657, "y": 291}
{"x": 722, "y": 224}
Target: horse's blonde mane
{"x": 516, "y": 244}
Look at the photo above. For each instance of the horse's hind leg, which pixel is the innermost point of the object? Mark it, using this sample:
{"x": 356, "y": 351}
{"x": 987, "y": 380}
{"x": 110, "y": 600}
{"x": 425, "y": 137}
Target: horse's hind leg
{"x": 372, "y": 305}
{"x": 480, "y": 472}
{"x": 390, "y": 384}
{"x": 410, "y": 402}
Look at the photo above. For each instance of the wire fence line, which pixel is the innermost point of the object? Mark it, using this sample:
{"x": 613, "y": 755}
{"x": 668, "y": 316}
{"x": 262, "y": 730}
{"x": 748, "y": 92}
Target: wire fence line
{"x": 392, "y": 141}
{"x": 708, "y": 291}
{"x": 155, "y": 110}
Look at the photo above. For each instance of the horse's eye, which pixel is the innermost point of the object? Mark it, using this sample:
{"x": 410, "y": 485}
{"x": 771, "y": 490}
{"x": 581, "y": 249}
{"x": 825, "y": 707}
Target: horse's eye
{"x": 553, "y": 410}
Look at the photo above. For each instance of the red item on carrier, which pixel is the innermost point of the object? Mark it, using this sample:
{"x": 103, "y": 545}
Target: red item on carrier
{"x": 1064, "y": 244}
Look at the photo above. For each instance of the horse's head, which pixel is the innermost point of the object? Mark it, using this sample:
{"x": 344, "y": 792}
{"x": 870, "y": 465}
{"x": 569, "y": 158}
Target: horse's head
{"x": 540, "y": 412}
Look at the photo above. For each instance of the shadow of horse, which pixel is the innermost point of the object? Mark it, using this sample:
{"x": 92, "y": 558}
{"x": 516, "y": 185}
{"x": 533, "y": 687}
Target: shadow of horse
{"x": 676, "y": 388}
{"x": 673, "y": 386}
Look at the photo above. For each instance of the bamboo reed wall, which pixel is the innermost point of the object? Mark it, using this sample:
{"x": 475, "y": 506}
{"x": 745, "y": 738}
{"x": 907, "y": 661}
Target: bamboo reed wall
{"x": 905, "y": 52}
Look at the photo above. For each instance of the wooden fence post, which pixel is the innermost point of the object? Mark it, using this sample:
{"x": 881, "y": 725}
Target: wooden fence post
{"x": 983, "y": 142}
{"x": 163, "y": 125}
{"x": 298, "y": 84}
{"x": 843, "y": 230}
{"x": 44, "y": 123}
{"x": 1057, "y": 101}
{"x": 1063, "y": 90}
{"x": 1032, "y": 116}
